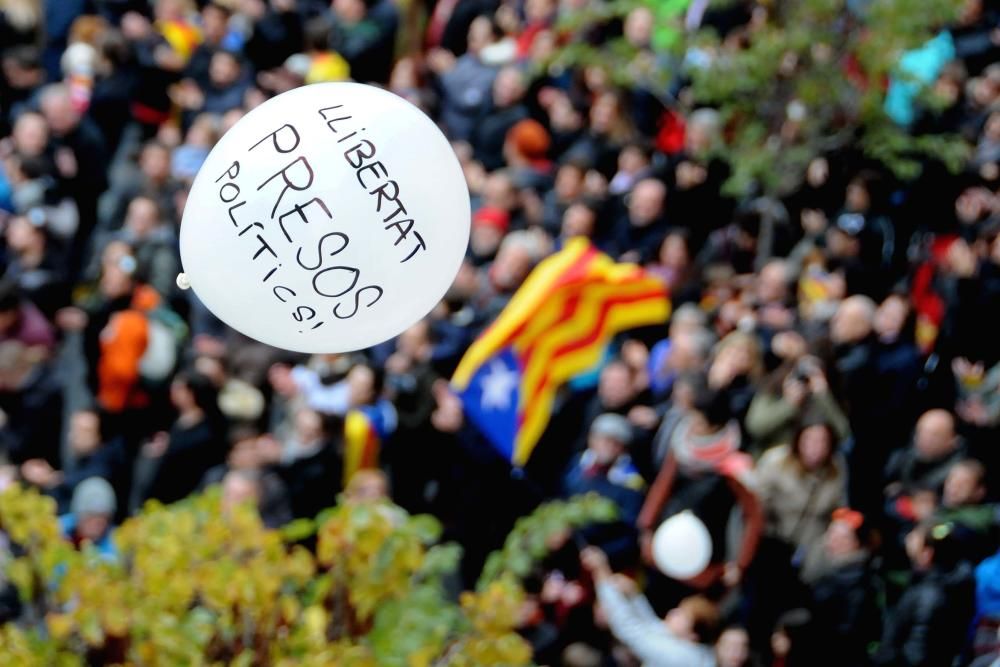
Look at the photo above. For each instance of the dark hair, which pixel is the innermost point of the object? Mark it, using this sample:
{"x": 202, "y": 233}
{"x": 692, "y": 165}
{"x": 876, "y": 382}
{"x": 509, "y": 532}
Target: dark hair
{"x": 705, "y": 615}
{"x": 317, "y": 35}
{"x": 10, "y": 296}
{"x": 592, "y": 204}
{"x": 641, "y": 145}
{"x": 378, "y": 380}
{"x": 713, "y": 404}
{"x": 908, "y": 332}
{"x": 749, "y": 222}
{"x": 808, "y": 421}
{"x": 332, "y": 425}
{"x": 204, "y": 391}
{"x": 34, "y": 166}
{"x": 27, "y": 57}
{"x": 799, "y": 626}
{"x": 578, "y": 161}
{"x": 533, "y": 584}
{"x": 945, "y": 539}
{"x": 113, "y": 46}
{"x": 874, "y": 185}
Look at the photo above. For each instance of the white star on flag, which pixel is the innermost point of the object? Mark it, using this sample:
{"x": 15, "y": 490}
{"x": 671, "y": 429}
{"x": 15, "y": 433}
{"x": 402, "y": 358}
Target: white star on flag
{"x": 497, "y": 385}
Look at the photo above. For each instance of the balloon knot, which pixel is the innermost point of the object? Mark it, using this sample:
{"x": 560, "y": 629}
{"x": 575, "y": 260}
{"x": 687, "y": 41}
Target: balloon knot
{"x": 183, "y": 281}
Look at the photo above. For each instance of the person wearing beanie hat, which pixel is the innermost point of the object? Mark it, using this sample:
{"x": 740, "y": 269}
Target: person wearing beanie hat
{"x": 94, "y": 496}
{"x": 606, "y": 468}
{"x": 489, "y": 226}
{"x": 844, "y": 598}
{"x": 89, "y": 519}
{"x": 526, "y": 151}
{"x": 527, "y": 144}
{"x": 492, "y": 216}
{"x": 614, "y": 427}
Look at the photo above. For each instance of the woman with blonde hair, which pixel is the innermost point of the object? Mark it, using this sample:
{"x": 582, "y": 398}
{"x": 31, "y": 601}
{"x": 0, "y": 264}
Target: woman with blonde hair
{"x": 736, "y": 366}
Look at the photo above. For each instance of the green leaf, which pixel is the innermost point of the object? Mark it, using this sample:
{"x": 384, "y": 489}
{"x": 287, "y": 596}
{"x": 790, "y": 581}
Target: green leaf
{"x": 441, "y": 560}
{"x": 244, "y": 659}
{"x": 427, "y": 528}
{"x": 298, "y": 530}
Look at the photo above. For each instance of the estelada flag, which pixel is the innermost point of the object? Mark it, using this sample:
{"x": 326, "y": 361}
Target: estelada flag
{"x": 365, "y": 429}
{"x": 555, "y": 327}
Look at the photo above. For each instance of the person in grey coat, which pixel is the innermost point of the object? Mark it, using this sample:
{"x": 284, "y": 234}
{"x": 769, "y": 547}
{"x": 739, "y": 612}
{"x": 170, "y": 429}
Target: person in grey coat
{"x": 465, "y": 82}
{"x": 677, "y": 640}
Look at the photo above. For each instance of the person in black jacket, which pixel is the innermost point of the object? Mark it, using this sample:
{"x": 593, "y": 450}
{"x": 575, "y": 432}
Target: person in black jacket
{"x": 855, "y": 353}
{"x": 409, "y": 379}
{"x": 245, "y": 460}
{"x": 930, "y": 623}
{"x": 194, "y": 444}
{"x": 506, "y": 109}
{"x": 844, "y": 605}
{"x": 31, "y": 404}
{"x": 308, "y": 463}
{"x": 638, "y": 234}
{"x": 90, "y": 455}
{"x": 81, "y": 158}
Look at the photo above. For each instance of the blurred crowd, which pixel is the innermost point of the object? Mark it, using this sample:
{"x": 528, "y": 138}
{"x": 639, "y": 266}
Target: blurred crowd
{"x": 824, "y": 397}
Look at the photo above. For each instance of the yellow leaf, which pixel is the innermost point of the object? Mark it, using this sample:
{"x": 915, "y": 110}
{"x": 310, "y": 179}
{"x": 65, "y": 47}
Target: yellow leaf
{"x": 290, "y": 608}
{"x": 60, "y": 625}
{"x": 90, "y": 630}
{"x": 422, "y": 657}
{"x": 116, "y": 620}
{"x": 315, "y": 621}
{"x": 19, "y": 572}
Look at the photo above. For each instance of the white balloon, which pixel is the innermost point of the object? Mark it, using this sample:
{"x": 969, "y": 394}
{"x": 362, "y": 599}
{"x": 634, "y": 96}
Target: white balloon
{"x": 328, "y": 219}
{"x": 682, "y": 546}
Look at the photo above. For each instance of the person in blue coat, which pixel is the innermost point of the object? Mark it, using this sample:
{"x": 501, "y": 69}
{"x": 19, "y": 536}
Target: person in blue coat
{"x": 605, "y": 468}
{"x": 90, "y": 517}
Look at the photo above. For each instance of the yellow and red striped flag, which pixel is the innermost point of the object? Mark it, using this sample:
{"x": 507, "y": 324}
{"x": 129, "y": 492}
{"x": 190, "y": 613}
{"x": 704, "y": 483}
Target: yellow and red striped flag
{"x": 555, "y": 327}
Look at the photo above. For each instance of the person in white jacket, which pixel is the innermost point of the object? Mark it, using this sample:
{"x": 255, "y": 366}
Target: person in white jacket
{"x": 675, "y": 640}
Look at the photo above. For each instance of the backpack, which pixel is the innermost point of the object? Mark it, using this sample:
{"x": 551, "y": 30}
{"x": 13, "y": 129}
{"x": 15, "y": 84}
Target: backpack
{"x": 166, "y": 336}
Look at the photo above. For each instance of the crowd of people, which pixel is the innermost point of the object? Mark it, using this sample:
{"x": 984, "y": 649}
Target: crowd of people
{"x": 825, "y": 397}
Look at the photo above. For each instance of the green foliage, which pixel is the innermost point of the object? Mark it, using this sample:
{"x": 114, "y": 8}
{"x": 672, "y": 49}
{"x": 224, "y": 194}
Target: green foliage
{"x": 534, "y": 536}
{"x": 196, "y": 585}
{"x": 808, "y": 77}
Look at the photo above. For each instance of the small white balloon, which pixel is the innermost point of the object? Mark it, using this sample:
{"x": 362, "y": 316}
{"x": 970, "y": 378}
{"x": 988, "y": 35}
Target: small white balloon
{"x": 328, "y": 219}
{"x": 183, "y": 282}
{"x": 682, "y": 546}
